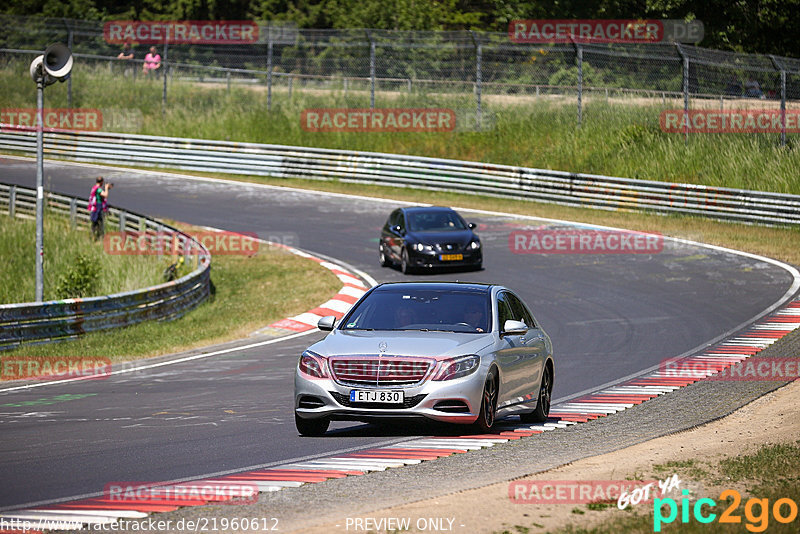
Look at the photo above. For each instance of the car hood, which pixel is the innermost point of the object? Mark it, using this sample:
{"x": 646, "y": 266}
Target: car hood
{"x": 462, "y": 237}
{"x": 406, "y": 343}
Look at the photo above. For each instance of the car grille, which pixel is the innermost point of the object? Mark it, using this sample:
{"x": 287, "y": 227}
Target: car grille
{"x": 449, "y": 247}
{"x": 386, "y": 371}
{"x": 409, "y": 402}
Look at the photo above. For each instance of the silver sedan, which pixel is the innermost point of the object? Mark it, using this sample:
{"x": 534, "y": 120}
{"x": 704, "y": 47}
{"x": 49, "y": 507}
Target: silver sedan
{"x": 447, "y": 351}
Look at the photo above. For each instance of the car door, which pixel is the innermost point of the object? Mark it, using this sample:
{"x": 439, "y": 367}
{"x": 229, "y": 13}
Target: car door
{"x": 392, "y": 238}
{"x": 535, "y": 347}
{"x": 512, "y": 356}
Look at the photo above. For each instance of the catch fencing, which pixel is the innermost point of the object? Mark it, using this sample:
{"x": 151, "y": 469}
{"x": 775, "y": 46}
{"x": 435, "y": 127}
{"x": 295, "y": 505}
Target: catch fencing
{"x": 391, "y": 63}
{"x": 573, "y": 189}
{"x": 68, "y": 318}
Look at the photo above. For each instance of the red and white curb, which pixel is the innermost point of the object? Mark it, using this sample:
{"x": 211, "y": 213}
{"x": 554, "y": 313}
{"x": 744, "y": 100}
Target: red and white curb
{"x": 337, "y": 306}
{"x": 722, "y": 355}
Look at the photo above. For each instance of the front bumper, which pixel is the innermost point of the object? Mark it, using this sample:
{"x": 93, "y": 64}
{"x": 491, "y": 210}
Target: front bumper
{"x": 470, "y": 258}
{"x": 451, "y": 401}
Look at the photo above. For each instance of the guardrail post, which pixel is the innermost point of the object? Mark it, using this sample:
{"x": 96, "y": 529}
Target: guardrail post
{"x": 779, "y": 66}
{"x": 269, "y": 67}
{"x": 228, "y": 76}
{"x": 685, "y": 59}
{"x": 371, "y": 71}
{"x": 122, "y": 221}
{"x": 291, "y": 78}
{"x": 73, "y": 213}
{"x": 12, "y": 201}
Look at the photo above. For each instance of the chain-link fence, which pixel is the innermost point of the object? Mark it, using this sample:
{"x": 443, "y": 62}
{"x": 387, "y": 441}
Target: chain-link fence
{"x": 476, "y": 65}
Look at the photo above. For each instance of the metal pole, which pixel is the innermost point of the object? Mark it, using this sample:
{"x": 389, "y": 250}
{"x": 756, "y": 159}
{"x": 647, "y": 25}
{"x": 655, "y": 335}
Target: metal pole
{"x": 685, "y": 94}
{"x": 580, "y": 83}
{"x": 783, "y": 108}
{"x": 371, "y": 71}
{"x": 164, "y": 66}
{"x": 39, "y": 189}
{"x": 69, "y": 81}
{"x": 779, "y": 66}
{"x": 269, "y": 68}
{"x": 478, "y": 57}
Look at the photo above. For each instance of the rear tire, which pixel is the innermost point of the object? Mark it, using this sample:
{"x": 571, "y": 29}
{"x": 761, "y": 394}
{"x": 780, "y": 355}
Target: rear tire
{"x": 539, "y": 415}
{"x": 486, "y": 417}
{"x": 311, "y": 427}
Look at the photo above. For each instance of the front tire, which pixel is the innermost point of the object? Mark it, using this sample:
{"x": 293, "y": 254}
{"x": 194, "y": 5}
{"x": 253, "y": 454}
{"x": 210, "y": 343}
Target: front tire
{"x": 405, "y": 264}
{"x": 539, "y": 415}
{"x": 486, "y": 417}
{"x": 311, "y": 427}
{"x": 382, "y": 257}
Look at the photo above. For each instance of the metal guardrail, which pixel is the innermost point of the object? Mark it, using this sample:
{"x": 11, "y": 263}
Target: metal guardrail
{"x": 572, "y": 189}
{"x": 60, "y": 319}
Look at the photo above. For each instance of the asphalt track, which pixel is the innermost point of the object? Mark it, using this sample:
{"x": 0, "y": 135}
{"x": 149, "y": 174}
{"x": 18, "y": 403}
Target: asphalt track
{"x": 609, "y": 316}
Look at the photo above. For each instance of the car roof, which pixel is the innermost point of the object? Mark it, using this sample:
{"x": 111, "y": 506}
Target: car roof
{"x": 429, "y": 209}
{"x": 439, "y": 286}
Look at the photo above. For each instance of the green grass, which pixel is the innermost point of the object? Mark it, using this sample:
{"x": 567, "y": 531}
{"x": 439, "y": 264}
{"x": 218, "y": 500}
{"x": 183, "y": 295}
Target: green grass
{"x": 62, "y": 247}
{"x": 250, "y": 293}
{"x": 618, "y": 139}
{"x": 772, "y": 472}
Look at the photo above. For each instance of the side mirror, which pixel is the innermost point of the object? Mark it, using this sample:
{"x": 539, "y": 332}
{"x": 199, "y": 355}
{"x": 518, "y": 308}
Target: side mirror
{"x": 397, "y": 229}
{"x": 514, "y": 328}
{"x": 326, "y": 323}
{"x": 472, "y": 226}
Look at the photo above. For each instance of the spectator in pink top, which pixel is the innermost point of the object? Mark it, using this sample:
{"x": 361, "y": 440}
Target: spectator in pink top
{"x": 152, "y": 61}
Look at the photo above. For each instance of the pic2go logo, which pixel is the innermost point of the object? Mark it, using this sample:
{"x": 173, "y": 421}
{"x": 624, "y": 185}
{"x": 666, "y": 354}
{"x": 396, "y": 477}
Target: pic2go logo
{"x": 756, "y": 511}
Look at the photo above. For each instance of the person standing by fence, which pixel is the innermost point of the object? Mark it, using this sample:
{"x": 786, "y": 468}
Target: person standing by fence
{"x": 152, "y": 61}
{"x": 98, "y": 206}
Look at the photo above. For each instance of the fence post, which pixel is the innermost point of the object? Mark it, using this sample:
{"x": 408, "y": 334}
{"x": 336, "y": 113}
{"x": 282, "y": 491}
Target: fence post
{"x": 269, "y": 67}
{"x": 579, "y": 59}
{"x": 69, "y": 80}
{"x": 165, "y": 67}
{"x": 12, "y": 201}
{"x": 228, "y": 76}
{"x": 779, "y": 66}
{"x": 478, "y": 58}
{"x": 291, "y": 78}
{"x": 371, "y": 71}
{"x": 685, "y": 93}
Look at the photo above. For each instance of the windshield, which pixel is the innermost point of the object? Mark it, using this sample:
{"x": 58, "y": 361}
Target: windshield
{"x": 434, "y": 221}
{"x": 421, "y": 309}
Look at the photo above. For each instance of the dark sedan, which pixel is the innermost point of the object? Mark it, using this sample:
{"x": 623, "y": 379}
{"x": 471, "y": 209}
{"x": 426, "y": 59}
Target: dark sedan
{"x": 427, "y": 237}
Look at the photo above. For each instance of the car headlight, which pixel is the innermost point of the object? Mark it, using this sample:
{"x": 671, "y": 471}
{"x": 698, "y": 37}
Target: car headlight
{"x": 419, "y": 247}
{"x": 452, "y": 368}
{"x": 313, "y": 365}
{"x": 475, "y": 245}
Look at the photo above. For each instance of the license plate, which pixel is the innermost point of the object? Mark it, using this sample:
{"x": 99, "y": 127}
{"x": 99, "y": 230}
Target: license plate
{"x": 451, "y": 257}
{"x": 380, "y": 396}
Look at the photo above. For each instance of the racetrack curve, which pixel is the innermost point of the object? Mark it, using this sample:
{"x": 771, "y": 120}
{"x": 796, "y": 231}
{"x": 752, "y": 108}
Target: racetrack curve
{"x": 608, "y": 316}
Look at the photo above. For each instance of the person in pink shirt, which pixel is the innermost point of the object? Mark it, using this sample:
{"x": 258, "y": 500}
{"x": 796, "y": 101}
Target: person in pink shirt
{"x": 152, "y": 61}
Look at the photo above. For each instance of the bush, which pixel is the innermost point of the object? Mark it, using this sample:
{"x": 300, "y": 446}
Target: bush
{"x": 81, "y": 279}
